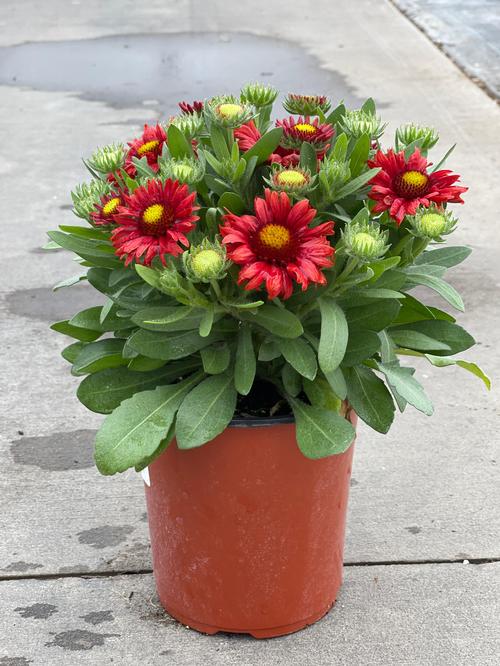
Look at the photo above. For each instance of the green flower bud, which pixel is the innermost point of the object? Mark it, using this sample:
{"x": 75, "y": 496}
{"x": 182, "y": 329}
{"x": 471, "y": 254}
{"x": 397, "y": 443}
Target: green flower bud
{"x": 359, "y": 122}
{"x": 407, "y": 134}
{"x": 293, "y": 181}
{"x": 333, "y": 175}
{"x": 258, "y": 94}
{"x": 205, "y": 262}
{"x": 364, "y": 240}
{"x": 108, "y": 159}
{"x": 87, "y": 195}
{"x": 228, "y": 111}
{"x": 187, "y": 170}
{"x": 306, "y": 105}
{"x": 191, "y": 125}
{"x": 432, "y": 223}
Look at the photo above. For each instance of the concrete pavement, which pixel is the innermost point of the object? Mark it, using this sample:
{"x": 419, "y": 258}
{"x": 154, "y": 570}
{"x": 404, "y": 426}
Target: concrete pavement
{"x": 428, "y": 492}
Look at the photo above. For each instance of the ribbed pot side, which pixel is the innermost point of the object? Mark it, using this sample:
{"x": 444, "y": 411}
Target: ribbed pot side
{"x": 247, "y": 534}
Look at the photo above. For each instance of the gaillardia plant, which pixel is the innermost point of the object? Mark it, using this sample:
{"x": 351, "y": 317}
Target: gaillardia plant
{"x": 255, "y": 283}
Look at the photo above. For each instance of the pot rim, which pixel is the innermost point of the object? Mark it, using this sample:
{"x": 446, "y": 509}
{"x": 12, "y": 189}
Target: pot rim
{"x": 260, "y": 421}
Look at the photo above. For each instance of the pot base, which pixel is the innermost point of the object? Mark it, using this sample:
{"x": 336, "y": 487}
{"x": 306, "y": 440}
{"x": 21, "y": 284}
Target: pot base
{"x": 266, "y": 632}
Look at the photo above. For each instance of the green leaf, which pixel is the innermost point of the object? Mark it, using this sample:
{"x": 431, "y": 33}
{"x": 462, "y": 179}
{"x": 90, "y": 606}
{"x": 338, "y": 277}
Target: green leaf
{"x": 443, "y": 160}
{"x": 443, "y": 361}
{"x": 369, "y": 107}
{"x": 379, "y": 293}
{"x": 245, "y": 363}
{"x": 99, "y": 252}
{"x": 359, "y": 155}
{"x": 170, "y": 346}
{"x": 268, "y": 351}
{"x": 446, "y": 332}
{"x": 374, "y": 316}
{"x": 336, "y": 114}
{"x": 149, "y": 275}
{"x": 320, "y": 432}
{"x": 279, "y": 321}
{"x": 232, "y": 202}
{"x": 320, "y": 394}
{"x": 334, "y": 335}
{"x": 91, "y": 319}
{"x": 266, "y": 145}
{"x": 402, "y": 380}
{"x": 99, "y": 356}
{"x": 144, "y": 364}
{"x": 381, "y": 265}
{"x": 207, "y": 321}
{"x": 219, "y": 143}
{"x": 291, "y": 379}
{"x": 361, "y": 345}
{"x": 178, "y": 145}
{"x": 70, "y": 353}
{"x": 413, "y": 310}
{"x": 69, "y": 282}
{"x": 103, "y": 391}
{"x": 445, "y": 256}
{"x": 84, "y": 232}
{"x": 370, "y": 398}
{"x": 300, "y": 356}
{"x": 84, "y": 334}
{"x": 168, "y": 318}
{"x": 449, "y": 293}
{"x": 410, "y": 339}
{"x": 337, "y": 382}
{"x": 137, "y": 427}
{"x": 356, "y": 184}
{"x": 215, "y": 358}
{"x": 206, "y": 411}
{"x": 308, "y": 157}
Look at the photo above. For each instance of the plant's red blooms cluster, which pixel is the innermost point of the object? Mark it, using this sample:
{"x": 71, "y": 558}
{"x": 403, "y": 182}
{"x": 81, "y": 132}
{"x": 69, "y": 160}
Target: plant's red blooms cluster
{"x": 149, "y": 145}
{"x": 105, "y": 212}
{"x": 401, "y": 186}
{"x": 276, "y": 246}
{"x": 189, "y": 109}
{"x": 153, "y": 221}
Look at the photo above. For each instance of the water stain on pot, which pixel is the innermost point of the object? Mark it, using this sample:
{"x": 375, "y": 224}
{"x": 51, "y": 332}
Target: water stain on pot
{"x": 158, "y": 70}
{"x": 59, "y": 452}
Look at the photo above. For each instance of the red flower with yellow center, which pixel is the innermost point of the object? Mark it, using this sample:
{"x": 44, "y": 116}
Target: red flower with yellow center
{"x": 276, "y": 246}
{"x": 150, "y": 146}
{"x": 107, "y": 209}
{"x": 401, "y": 186}
{"x": 153, "y": 221}
{"x": 298, "y": 130}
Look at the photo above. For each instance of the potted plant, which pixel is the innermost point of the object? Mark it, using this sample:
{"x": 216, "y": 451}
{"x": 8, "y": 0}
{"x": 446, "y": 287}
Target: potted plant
{"x": 256, "y": 284}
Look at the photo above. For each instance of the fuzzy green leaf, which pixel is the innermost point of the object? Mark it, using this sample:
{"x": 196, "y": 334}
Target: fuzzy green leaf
{"x": 334, "y": 335}
{"x": 300, "y": 356}
{"x": 216, "y": 358}
{"x": 279, "y": 321}
{"x": 320, "y": 432}
{"x": 402, "y": 380}
{"x": 370, "y": 398}
{"x": 245, "y": 363}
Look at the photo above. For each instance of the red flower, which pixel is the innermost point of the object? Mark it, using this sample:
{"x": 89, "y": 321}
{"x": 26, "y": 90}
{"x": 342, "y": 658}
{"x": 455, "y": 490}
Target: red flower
{"x": 150, "y": 145}
{"x": 276, "y": 245}
{"x": 402, "y": 186}
{"x": 189, "y": 109}
{"x": 105, "y": 211}
{"x": 247, "y": 135}
{"x": 153, "y": 221}
{"x": 298, "y": 130}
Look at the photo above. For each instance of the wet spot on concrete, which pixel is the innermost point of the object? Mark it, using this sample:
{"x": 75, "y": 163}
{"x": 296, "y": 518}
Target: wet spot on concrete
{"x": 79, "y": 639}
{"x": 58, "y": 452}
{"x": 37, "y": 611}
{"x": 413, "y": 529}
{"x": 166, "y": 653}
{"x": 106, "y": 536}
{"x": 22, "y": 567}
{"x": 98, "y": 617}
{"x": 15, "y": 661}
{"x": 354, "y": 482}
{"x": 160, "y": 67}
{"x": 47, "y": 305}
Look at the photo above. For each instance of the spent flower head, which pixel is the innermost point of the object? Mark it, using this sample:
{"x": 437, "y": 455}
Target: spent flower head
{"x": 306, "y": 105}
{"x": 409, "y": 133}
{"x": 432, "y": 223}
{"x": 258, "y": 94}
{"x": 358, "y": 122}
{"x": 87, "y": 196}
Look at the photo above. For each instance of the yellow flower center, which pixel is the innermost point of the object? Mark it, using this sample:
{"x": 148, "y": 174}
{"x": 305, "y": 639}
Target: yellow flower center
{"x": 292, "y": 178}
{"x": 274, "y": 236}
{"x": 414, "y": 179}
{"x": 229, "y": 110}
{"x": 148, "y": 147}
{"x": 432, "y": 224}
{"x": 153, "y": 214}
{"x": 307, "y": 128}
{"x": 110, "y": 207}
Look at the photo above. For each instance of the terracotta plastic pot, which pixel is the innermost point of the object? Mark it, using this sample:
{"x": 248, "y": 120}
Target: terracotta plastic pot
{"x": 247, "y": 534}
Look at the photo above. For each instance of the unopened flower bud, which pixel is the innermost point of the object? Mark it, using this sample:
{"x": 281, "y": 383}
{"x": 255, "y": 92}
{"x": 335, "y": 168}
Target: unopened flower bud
{"x": 87, "y": 196}
{"x": 407, "y": 134}
{"x": 359, "y": 122}
{"x": 205, "y": 262}
{"x": 187, "y": 170}
{"x": 228, "y": 111}
{"x": 364, "y": 241}
{"x": 293, "y": 181}
{"x": 306, "y": 105}
{"x": 258, "y": 94}
{"x": 190, "y": 124}
{"x": 108, "y": 159}
{"x": 432, "y": 223}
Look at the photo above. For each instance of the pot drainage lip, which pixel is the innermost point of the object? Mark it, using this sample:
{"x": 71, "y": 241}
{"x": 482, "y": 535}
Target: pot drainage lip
{"x": 256, "y": 422}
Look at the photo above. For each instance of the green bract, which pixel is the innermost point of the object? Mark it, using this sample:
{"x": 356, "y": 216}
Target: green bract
{"x": 233, "y": 261}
